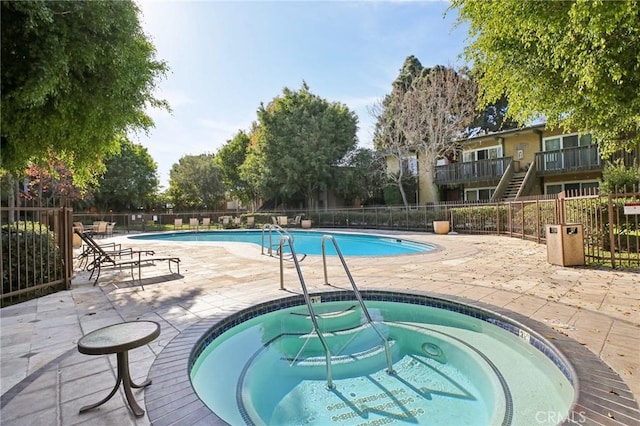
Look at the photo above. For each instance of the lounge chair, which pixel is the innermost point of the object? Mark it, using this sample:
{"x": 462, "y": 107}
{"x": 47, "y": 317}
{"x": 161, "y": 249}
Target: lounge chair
{"x": 283, "y": 221}
{"x": 177, "y": 224}
{"x": 296, "y": 221}
{"x": 94, "y": 251}
{"x": 226, "y": 221}
{"x": 193, "y": 222}
{"x": 105, "y": 259}
{"x": 206, "y": 222}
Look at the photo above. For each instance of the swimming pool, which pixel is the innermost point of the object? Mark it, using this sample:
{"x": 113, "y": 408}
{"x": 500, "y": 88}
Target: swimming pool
{"x": 453, "y": 364}
{"x": 305, "y": 242}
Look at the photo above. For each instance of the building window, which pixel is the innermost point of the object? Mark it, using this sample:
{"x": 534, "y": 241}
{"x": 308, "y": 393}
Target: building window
{"x": 573, "y": 188}
{"x": 574, "y": 140}
{"x": 478, "y": 194}
{"x": 410, "y": 165}
{"x": 482, "y": 154}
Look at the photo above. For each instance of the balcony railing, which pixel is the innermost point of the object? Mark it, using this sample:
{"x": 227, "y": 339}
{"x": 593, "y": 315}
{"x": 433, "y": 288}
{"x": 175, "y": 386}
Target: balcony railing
{"x": 472, "y": 171}
{"x": 582, "y": 158}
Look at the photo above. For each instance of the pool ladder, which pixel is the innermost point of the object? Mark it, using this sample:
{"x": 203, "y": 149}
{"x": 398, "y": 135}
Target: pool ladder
{"x": 287, "y": 238}
{"x": 269, "y": 230}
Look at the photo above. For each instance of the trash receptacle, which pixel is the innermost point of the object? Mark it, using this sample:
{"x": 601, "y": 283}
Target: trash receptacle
{"x": 565, "y": 244}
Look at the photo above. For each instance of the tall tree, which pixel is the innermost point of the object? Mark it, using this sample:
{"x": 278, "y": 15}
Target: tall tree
{"x": 195, "y": 181}
{"x": 75, "y": 75}
{"x": 390, "y": 141}
{"x": 360, "y": 176}
{"x": 229, "y": 159}
{"x": 574, "y": 63}
{"x": 492, "y": 118}
{"x": 437, "y": 109}
{"x": 300, "y": 138}
{"x": 130, "y": 181}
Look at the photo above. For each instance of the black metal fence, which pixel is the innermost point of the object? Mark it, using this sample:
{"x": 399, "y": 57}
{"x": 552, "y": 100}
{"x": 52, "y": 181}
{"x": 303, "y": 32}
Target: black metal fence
{"x": 37, "y": 243}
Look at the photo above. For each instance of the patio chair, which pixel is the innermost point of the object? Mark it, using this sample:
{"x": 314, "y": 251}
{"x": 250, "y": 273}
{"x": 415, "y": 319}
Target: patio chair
{"x": 101, "y": 228}
{"x": 283, "y": 221}
{"x": 193, "y": 222}
{"x": 110, "y": 226}
{"x": 251, "y": 221}
{"x": 105, "y": 259}
{"x": 177, "y": 224}
{"x": 226, "y": 221}
{"x": 296, "y": 221}
{"x": 206, "y": 222}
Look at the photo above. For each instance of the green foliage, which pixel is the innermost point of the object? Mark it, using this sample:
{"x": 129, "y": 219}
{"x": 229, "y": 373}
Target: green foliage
{"x": 196, "y": 182}
{"x": 574, "y": 63}
{"x": 617, "y": 177}
{"x": 75, "y": 75}
{"x": 28, "y": 250}
{"x": 229, "y": 159}
{"x": 481, "y": 218}
{"x": 359, "y": 176}
{"x": 131, "y": 179}
{"x": 392, "y": 196}
{"x": 299, "y": 140}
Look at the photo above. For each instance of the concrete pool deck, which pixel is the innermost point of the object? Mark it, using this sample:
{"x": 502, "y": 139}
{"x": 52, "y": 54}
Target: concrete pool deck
{"x": 44, "y": 380}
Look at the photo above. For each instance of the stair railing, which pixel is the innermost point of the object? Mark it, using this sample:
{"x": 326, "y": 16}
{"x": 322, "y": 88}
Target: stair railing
{"x": 387, "y": 349}
{"x": 498, "y": 193}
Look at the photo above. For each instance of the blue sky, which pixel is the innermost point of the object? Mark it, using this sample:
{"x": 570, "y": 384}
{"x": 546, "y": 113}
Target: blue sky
{"x": 225, "y": 58}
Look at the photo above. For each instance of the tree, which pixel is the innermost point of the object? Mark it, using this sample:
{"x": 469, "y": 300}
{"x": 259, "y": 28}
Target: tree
{"x": 427, "y": 111}
{"x": 195, "y": 181}
{"x": 390, "y": 141}
{"x": 437, "y": 109}
{"x": 492, "y": 118}
{"x": 229, "y": 159}
{"x": 573, "y": 63}
{"x": 359, "y": 175}
{"x": 299, "y": 139}
{"x": 75, "y": 76}
{"x": 130, "y": 181}
{"x": 51, "y": 185}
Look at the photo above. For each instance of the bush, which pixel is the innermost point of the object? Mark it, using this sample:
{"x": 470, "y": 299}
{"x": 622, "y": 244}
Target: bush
{"x": 30, "y": 257}
{"x": 616, "y": 177}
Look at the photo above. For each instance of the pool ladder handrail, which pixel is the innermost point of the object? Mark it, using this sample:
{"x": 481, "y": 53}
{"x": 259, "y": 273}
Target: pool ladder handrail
{"x": 289, "y": 239}
{"x": 279, "y": 230}
{"x": 385, "y": 341}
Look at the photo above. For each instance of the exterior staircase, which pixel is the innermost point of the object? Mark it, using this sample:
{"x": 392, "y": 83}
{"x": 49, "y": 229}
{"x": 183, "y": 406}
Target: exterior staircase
{"x": 514, "y": 186}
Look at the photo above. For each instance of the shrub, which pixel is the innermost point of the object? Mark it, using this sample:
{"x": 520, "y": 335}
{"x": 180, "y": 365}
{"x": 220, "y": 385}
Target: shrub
{"x": 30, "y": 256}
{"x": 616, "y": 177}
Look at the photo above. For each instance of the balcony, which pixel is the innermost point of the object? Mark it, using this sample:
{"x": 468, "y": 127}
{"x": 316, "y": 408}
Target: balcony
{"x": 570, "y": 160}
{"x": 472, "y": 171}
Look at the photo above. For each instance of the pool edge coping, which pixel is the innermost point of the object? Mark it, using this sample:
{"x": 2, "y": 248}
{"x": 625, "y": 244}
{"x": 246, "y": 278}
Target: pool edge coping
{"x": 602, "y": 397}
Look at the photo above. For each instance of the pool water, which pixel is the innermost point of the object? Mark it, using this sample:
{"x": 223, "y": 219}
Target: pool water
{"x": 305, "y": 242}
{"x": 449, "y": 368}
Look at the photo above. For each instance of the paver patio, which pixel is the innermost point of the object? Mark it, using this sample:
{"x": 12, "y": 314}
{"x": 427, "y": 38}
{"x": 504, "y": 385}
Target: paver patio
{"x": 44, "y": 380}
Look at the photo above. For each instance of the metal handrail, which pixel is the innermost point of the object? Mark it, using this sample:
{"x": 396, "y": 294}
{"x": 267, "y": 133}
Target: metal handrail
{"x": 289, "y": 239}
{"x": 387, "y": 349}
{"x": 269, "y": 227}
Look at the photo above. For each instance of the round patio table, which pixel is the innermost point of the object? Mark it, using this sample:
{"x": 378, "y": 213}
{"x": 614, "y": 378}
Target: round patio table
{"x": 119, "y": 339}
